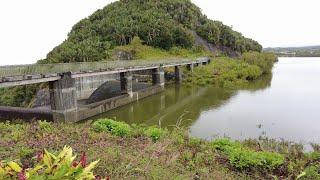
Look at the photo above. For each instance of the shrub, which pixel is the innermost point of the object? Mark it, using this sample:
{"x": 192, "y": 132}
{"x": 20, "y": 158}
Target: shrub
{"x": 45, "y": 126}
{"x": 194, "y": 142}
{"x": 116, "y": 128}
{"x": 264, "y": 60}
{"x": 154, "y": 133}
{"x": 230, "y": 73}
{"x": 224, "y": 144}
{"x": 50, "y": 166}
{"x": 244, "y": 158}
{"x": 311, "y": 172}
{"x": 18, "y": 96}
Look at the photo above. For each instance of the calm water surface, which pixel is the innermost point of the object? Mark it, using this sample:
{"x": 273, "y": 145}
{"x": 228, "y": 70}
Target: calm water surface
{"x": 285, "y": 105}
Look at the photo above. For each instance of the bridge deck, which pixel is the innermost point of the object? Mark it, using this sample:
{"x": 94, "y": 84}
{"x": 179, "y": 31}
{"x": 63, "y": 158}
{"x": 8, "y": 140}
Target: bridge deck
{"x": 39, "y": 73}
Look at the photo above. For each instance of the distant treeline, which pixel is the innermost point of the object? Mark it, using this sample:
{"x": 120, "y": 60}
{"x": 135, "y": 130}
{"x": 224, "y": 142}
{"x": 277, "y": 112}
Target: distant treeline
{"x": 308, "y": 51}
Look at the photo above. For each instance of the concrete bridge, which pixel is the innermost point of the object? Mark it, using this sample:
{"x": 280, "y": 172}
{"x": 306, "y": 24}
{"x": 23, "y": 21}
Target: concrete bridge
{"x": 71, "y": 82}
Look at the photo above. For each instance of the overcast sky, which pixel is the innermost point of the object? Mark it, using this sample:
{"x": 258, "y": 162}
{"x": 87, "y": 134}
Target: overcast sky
{"x": 30, "y": 29}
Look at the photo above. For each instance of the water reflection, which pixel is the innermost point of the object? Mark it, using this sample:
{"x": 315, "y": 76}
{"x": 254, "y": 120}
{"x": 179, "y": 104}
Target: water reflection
{"x": 280, "y": 106}
{"x": 288, "y": 109}
{"x": 178, "y": 103}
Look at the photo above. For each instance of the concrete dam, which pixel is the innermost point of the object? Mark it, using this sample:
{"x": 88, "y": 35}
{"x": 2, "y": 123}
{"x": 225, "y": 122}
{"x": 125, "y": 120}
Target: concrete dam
{"x": 76, "y": 88}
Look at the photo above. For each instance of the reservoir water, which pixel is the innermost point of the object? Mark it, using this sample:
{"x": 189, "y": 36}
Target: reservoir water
{"x": 284, "y": 105}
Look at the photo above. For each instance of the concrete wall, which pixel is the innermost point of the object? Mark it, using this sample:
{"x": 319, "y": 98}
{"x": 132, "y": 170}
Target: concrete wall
{"x": 87, "y": 85}
{"x": 87, "y": 111}
{"x": 84, "y": 111}
{"x": 9, "y": 113}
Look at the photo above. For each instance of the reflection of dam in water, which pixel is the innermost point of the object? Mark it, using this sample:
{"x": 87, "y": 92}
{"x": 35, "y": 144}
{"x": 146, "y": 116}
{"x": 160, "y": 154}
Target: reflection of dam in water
{"x": 178, "y": 105}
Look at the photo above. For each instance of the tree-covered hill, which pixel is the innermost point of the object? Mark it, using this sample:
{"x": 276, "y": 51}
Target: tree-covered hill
{"x": 159, "y": 23}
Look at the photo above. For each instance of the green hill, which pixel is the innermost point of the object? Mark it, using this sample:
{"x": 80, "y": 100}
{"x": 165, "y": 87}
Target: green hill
{"x": 162, "y": 24}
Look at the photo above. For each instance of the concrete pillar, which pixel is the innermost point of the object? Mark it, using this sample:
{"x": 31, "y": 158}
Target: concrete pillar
{"x": 126, "y": 83}
{"x": 190, "y": 67}
{"x": 63, "y": 97}
{"x": 158, "y": 76}
{"x": 178, "y": 74}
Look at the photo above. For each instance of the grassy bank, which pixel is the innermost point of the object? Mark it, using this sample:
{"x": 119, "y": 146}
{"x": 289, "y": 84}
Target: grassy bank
{"x": 137, "y": 50}
{"x": 136, "y": 152}
{"x": 228, "y": 72}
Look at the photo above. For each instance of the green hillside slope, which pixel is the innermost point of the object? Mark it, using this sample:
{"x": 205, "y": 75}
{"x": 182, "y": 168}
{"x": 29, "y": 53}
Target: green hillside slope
{"x": 163, "y": 24}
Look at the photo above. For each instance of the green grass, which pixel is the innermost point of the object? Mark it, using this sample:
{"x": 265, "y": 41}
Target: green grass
{"x": 144, "y": 52}
{"x": 154, "y": 153}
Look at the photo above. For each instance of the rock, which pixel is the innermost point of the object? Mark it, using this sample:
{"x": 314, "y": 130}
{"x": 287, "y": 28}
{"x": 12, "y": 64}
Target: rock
{"x": 199, "y": 41}
{"x": 42, "y": 99}
{"x": 123, "y": 55}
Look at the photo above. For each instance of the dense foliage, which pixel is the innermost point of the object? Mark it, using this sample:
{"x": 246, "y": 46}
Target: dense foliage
{"x": 163, "y": 24}
{"x": 148, "y": 153}
{"x": 17, "y": 96}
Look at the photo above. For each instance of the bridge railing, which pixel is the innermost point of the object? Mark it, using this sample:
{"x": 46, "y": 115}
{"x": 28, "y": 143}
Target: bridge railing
{"x": 46, "y": 69}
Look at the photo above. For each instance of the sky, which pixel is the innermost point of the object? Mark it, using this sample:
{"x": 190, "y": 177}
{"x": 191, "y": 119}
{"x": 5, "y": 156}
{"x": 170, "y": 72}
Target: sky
{"x": 30, "y": 29}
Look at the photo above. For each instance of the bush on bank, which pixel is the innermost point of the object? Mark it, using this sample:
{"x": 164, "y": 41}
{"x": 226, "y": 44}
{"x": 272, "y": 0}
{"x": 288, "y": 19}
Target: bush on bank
{"x": 122, "y": 129}
{"x": 223, "y": 72}
{"x": 264, "y": 60}
{"x": 227, "y": 72}
{"x": 155, "y": 153}
{"x": 242, "y": 157}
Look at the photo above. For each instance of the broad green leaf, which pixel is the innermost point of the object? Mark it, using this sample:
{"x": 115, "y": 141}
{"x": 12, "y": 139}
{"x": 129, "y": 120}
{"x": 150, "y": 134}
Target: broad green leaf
{"x": 61, "y": 172}
{"x": 33, "y": 171}
{"x": 14, "y": 166}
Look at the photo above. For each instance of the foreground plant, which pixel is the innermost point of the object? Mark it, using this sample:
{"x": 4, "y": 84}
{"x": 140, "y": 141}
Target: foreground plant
{"x": 50, "y": 166}
{"x": 174, "y": 155}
